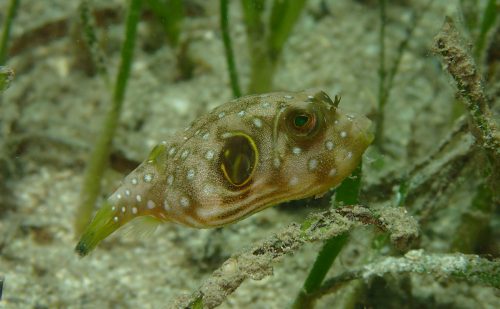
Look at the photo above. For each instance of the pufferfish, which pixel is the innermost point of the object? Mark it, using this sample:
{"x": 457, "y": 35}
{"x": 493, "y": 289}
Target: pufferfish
{"x": 244, "y": 156}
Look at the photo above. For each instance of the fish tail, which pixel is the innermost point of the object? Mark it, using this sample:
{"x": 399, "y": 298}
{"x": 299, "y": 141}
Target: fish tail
{"x": 101, "y": 226}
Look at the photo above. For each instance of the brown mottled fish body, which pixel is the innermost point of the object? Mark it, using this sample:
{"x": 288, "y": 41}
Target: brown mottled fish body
{"x": 244, "y": 156}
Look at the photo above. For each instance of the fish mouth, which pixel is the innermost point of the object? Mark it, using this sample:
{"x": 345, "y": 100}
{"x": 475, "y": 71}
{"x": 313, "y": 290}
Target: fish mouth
{"x": 365, "y": 127}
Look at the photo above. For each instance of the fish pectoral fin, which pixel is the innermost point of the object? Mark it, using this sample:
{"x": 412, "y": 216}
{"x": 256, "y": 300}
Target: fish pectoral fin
{"x": 143, "y": 226}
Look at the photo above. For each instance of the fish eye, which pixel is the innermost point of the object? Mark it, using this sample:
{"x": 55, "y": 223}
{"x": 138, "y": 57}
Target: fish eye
{"x": 302, "y": 123}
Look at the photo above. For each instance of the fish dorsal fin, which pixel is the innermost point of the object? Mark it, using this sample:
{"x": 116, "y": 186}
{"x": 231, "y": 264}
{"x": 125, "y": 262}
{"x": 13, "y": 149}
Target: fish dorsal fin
{"x": 141, "y": 227}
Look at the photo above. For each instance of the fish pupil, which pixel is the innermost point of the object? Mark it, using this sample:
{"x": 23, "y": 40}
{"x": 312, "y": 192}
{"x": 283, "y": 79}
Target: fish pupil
{"x": 300, "y": 121}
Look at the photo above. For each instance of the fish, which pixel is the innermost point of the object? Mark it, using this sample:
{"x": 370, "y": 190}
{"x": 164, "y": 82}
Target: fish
{"x": 242, "y": 157}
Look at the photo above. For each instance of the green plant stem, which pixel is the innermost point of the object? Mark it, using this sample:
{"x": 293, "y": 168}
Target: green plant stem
{"x": 7, "y": 25}
{"x": 382, "y": 76}
{"x": 262, "y": 69}
{"x": 266, "y": 51}
{"x": 262, "y": 75}
{"x": 470, "y": 13}
{"x": 347, "y": 194}
{"x": 284, "y": 15}
{"x": 487, "y": 23}
{"x": 99, "y": 159}
{"x": 231, "y": 65}
{"x": 326, "y": 256}
{"x": 170, "y": 15}
{"x": 386, "y": 78}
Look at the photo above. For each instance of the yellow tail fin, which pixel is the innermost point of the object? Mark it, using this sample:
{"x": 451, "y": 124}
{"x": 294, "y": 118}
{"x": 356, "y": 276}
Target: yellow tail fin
{"x": 101, "y": 227}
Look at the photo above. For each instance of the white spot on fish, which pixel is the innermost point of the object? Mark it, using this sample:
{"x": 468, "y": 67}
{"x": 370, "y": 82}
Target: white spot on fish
{"x": 296, "y": 150}
{"x": 113, "y": 208}
{"x": 288, "y": 97}
{"x": 170, "y": 180}
{"x": 241, "y": 113}
{"x": 172, "y": 151}
{"x": 115, "y": 219}
{"x": 208, "y": 189}
{"x": 329, "y": 145}
{"x": 205, "y": 136}
{"x": 343, "y": 134}
{"x": 312, "y": 164}
{"x": 184, "y": 201}
{"x": 209, "y": 155}
{"x": 221, "y": 115}
{"x": 166, "y": 205}
{"x": 138, "y": 198}
{"x": 185, "y": 154}
{"x": 134, "y": 210}
{"x": 150, "y": 204}
{"x": 119, "y": 196}
{"x": 257, "y": 122}
{"x": 134, "y": 181}
{"x": 332, "y": 172}
{"x": 190, "y": 174}
{"x": 266, "y": 104}
{"x": 294, "y": 181}
{"x": 348, "y": 155}
{"x": 276, "y": 163}
{"x": 148, "y": 178}
{"x": 124, "y": 209}
{"x": 127, "y": 192}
